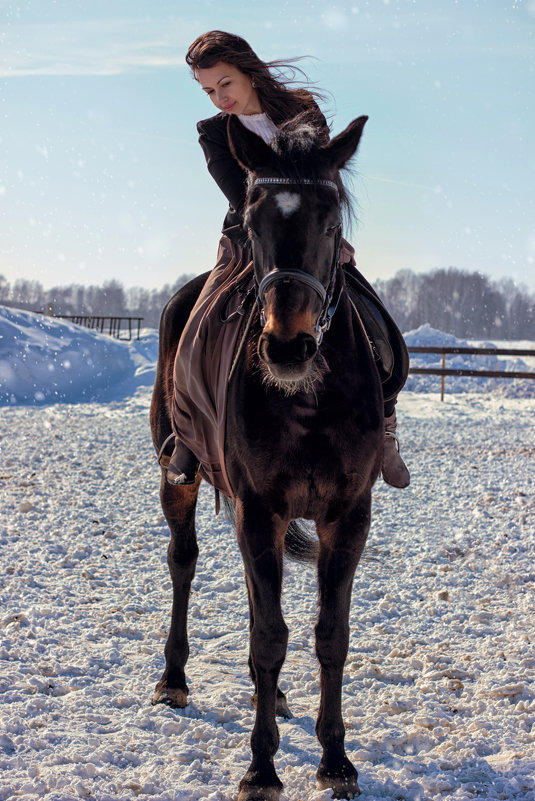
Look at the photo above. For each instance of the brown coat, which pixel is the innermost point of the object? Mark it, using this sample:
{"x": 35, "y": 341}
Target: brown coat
{"x": 203, "y": 362}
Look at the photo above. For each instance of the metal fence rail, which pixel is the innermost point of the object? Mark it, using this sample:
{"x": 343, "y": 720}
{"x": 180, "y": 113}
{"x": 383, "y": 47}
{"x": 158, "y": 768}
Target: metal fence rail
{"x": 443, "y": 371}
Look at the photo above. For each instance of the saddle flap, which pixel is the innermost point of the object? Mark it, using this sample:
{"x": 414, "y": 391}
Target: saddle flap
{"x": 386, "y": 338}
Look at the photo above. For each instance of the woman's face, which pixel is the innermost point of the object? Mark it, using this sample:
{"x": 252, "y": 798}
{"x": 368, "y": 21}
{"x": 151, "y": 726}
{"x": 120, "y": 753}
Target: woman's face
{"x": 229, "y": 89}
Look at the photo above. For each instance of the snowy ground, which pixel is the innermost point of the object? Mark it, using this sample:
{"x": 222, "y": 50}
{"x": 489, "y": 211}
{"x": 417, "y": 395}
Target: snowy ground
{"x": 439, "y": 693}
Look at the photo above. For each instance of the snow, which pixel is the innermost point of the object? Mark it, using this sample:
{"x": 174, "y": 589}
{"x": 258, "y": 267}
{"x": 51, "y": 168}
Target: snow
{"x": 426, "y": 336}
{"x": 438, "y": 694}
{"x": 43, "y": 359}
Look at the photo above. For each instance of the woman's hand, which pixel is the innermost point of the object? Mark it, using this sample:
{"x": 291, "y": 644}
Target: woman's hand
{"x": 347, "y": 253}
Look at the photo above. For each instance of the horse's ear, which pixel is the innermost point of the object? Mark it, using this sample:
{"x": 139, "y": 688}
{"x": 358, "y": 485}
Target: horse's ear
{"x": 247, "y": 148}
{"x": 340, "y": 149}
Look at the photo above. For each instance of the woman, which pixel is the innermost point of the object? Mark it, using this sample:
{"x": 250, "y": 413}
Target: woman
{"x": 238, "y": 82}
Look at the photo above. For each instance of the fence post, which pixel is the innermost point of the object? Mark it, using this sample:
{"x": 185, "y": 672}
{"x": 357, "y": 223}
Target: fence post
{"x": 443, "y": 381}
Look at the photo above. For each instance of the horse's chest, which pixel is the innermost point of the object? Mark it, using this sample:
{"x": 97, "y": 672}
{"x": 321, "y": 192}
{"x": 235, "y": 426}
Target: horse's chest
{"x": 313, "y": 445}
{"x": 297, "y": 428}
{"x": 304, "y": 423}
{"x": 306, "y": 452}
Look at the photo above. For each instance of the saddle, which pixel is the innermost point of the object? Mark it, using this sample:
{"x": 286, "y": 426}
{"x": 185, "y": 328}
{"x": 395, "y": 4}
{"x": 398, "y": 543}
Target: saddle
{"x": 386, "y": 340}
{"x": 210, "y": 344}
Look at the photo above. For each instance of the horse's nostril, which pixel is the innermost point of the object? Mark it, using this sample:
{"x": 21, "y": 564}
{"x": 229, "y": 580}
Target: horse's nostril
{"x": 263, "y": 347}
{"x": 309, "y": 346}
{"x": 301, "y": 348}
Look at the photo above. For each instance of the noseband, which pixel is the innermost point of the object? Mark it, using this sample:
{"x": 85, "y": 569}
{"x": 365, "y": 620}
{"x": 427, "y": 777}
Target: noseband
{"x": 325, "y": 292}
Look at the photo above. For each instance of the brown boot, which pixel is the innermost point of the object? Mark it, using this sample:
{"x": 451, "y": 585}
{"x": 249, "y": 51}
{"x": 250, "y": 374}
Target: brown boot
{"x": 393, "y": 468}
{"x": 183, "y": 466}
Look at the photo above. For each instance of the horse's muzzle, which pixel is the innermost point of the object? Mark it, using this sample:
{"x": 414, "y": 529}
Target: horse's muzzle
{"x": 287, "y": 356}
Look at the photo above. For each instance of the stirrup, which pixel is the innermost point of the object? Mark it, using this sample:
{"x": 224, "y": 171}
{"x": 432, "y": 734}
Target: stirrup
{"x": 179, "y": 480}
{"x": 395, "y": 438}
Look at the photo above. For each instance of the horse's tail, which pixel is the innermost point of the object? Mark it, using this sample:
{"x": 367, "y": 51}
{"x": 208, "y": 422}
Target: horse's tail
{"x": 300, "y": 543}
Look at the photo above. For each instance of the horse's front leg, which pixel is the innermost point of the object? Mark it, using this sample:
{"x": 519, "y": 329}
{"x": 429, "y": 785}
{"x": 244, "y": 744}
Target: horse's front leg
{"x": 282, "y": 709}
{"x": 341, "y": 545}
{"x": 178, "y": 505}
{"x": 261, "y": 544}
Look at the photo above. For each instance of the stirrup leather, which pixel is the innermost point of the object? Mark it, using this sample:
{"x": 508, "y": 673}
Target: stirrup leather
{"x": 394, "y": 437}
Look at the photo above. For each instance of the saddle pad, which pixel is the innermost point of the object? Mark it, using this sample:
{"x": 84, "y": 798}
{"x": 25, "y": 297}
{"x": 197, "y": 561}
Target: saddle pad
{"x": 203, "y": 362}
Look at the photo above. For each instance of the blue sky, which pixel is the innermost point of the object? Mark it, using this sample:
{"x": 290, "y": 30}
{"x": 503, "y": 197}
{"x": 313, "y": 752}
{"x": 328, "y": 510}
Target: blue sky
{"x": 101, "y": 175}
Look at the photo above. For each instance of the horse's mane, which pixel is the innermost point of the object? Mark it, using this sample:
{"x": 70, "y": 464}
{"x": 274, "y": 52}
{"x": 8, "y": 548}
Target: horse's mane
{"x": 297, "y": 143}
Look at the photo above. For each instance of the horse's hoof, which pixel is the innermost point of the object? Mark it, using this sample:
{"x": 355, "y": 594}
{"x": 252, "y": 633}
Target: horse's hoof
{"x": 346, "y": 792}
{"x": 342, "y": 788}
{"x": 175, "y": 698}
{"x": 259, "y": 794}
{"x": 343, "y": 785}
{"x": 282, "y": 710}
{"x": 260, "y": 785}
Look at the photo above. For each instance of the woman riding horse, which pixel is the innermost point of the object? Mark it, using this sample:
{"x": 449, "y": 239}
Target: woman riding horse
{"x": 240, "y": 84}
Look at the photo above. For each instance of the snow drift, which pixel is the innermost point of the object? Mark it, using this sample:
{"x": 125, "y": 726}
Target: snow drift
{"x": 46, "y": 360}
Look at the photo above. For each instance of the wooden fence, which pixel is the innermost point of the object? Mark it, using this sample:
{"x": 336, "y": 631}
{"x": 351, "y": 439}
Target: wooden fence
{"x": 443, "y": 371}
{"x": 106, "y": 325}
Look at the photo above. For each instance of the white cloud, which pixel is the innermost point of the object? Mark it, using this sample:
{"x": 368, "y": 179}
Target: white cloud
{"x": 94, "y": 47}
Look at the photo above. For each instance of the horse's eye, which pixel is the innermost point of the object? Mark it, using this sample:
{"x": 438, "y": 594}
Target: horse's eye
{"x": 331, "y": 230}
{"x": 256, "y": 194}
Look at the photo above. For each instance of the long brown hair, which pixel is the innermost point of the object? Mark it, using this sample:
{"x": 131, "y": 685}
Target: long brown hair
{"x": 279, "y": 100}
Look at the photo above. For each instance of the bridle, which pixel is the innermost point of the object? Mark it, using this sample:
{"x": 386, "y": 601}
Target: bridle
{"x": 326, "y": 293}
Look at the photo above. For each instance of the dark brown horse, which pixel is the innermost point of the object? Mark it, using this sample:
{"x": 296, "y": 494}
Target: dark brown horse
{"x": 303, "y": 440}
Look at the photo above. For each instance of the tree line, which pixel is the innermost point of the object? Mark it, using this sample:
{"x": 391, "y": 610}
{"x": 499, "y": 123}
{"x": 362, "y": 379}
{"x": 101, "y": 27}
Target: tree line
{"x": 109, "y": 300}
{"x": 466, "y": 304}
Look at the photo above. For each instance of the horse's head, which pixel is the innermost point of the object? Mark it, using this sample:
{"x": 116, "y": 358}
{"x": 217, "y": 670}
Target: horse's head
{"x": 292, "y": 214}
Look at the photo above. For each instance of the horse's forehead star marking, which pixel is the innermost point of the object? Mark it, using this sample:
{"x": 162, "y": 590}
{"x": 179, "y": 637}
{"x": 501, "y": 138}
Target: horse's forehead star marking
{"x": 288, "y": 202}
